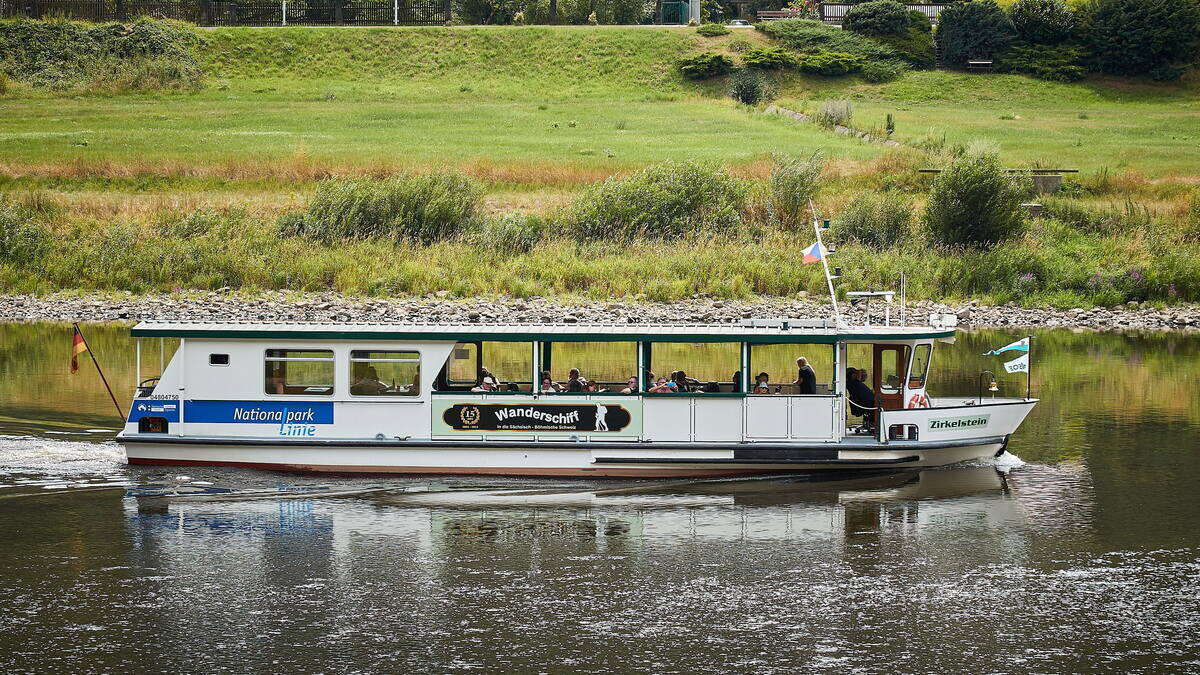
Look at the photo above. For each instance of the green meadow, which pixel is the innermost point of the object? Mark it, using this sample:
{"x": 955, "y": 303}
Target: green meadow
{"x": 539, "y": 114}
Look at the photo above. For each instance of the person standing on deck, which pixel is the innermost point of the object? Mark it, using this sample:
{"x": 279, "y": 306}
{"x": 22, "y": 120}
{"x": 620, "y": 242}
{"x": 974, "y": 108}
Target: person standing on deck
{"x": 806, "y": 378}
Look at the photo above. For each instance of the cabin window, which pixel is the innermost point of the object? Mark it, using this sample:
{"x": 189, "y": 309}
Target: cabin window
{"x": 218, "y": 359}
{"x": 307, "y": 372}
{"x": 778, "y": 363}
{"x": 920, "y": 366}
{"x": 713, "y": 367}
{"x": 603, "y": 367}
{"x": 509, "y": 363}
{"x": 375, "y": 373}
{"x": 463, "y": 367}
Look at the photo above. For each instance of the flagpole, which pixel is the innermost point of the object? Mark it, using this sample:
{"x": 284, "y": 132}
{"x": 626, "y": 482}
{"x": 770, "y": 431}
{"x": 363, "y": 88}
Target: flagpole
{"x": 837, "y": 315}
{"x": 103, "y": 379}
{"x": 1029, "y": 370}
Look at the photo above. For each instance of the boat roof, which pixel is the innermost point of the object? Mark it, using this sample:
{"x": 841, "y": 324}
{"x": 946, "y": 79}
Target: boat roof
{"x": 780, "y": 331}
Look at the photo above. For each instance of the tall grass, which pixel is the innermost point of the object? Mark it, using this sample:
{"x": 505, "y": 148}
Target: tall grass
{"x": 424, "y": 208}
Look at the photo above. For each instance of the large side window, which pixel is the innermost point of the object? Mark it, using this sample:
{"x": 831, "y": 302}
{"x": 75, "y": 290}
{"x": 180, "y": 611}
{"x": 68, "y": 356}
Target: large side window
{"x": 695, "y": 367}
{"x": 920, "y": 366}
{"x": 375, "y": 373}
{"x": 589, "y": 367}
{"x": 307, "y": 372}
{"x": 777, "y": 369}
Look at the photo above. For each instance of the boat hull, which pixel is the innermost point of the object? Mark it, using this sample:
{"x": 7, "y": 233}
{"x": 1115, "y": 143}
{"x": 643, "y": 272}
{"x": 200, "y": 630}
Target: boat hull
{"x": 634, "y": 460}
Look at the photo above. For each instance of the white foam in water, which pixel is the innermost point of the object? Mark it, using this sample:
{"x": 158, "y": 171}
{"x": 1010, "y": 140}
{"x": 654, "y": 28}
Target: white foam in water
{"x": 1008, "y": 461}
{"x": 25, "y": 456}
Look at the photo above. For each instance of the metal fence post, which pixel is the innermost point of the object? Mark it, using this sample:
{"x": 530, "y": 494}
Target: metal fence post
{"x": 395, "y": 12}
{"x": 283, "y": 16}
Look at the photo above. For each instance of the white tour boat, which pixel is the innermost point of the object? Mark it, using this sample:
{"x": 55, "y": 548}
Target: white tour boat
{"x": 558, "y": 400}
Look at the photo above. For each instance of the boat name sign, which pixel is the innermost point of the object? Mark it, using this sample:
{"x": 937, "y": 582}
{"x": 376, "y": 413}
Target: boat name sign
{"x": 948, "y": 423}
{"x": 582, "y": 417}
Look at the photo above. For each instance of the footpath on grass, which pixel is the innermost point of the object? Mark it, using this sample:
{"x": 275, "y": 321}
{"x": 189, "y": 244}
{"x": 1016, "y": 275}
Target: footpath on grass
{"x": 331, "y": 307}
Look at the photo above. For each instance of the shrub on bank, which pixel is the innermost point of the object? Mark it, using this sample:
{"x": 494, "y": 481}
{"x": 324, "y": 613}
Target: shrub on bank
{"x": 804, "y": 35}
{"x": 973, "y": 202}
{"x": 705, "y": 65}
{"x": 423, "y": 208}
{"x": 878, "y": 17}
{"x": 973, "y": 30}
{"x": 1042, "y": 22}
{"x": 665, "y": 201}
{"x": 794, "y": 181}
{"x": 61, "y": 54}
{"x": 1056, "y": 63}
{"x": 834, "y": 113}
{"x": 1159, "y": 38}
{"x": 915, "y": 46}
{"x": 23, "y": 238}
{"x": 831, "y": 64}
{"x": 769, "y": 58}
{"x": 878, "y": 221}
{"x": 712, "y": 30}
{"x": 748, "y": 86}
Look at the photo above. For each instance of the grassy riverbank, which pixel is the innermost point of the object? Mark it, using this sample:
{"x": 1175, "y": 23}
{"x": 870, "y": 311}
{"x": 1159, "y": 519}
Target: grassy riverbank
{"x": 539, "y": 114}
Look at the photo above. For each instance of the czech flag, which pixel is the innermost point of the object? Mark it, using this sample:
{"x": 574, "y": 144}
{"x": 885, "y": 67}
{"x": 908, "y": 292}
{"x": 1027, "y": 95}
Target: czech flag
{"x": 814, "y": 253}
{"x": 78, "y": 346}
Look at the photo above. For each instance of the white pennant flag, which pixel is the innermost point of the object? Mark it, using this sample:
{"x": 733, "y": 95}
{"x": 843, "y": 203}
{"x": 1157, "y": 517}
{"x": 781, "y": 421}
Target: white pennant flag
{"x": 1018, "y": 365}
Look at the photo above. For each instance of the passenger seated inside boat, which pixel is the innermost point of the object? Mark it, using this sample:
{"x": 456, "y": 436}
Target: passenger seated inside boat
{"x": 806, "y": 378}
{"x": 685, "y": 384}
{"x": 548, "y": 383}
{"x": 664, "y": 386}
{"x": 487, "y": 383}
{"x": 862, "y": 398}
{"x": 275, "y": 382}
{"x": 367, "y": 383}
{"x": 631, "y": 386}
{"x": 575, "y": 382}
{"x": 761, "y": 385}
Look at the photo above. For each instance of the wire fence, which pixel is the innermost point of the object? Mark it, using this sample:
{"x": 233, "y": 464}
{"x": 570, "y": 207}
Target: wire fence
{"x": 234, "y": 13}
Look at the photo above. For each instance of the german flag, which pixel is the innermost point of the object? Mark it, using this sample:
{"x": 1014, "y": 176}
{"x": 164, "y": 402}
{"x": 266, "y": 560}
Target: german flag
{"x": 78, "y": 346}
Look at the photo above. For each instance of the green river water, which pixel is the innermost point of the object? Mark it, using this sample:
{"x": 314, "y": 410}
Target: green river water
{"x": 1081, "y": 551}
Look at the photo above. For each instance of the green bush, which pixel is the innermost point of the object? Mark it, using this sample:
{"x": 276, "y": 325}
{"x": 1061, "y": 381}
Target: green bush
{"x": 23, "y": 238}
{"x": 509, "y": 233}
{"x": 878, "y": 17}
{"x": 876, "y": 220}
{"x": 748, "y": 86}
{"x": 60, "y": 54}
{"x": 1140, "y": 37}
{"x": 665, "y": 201}
{"x": 881, "y": 71}
{"x": 915, "y": 47}
{"x": 1042, "y": 22}
{"x": 973, "y": 202}
{"x": 1045, "y": 62}
{"x": 834, "y": 113}
{"x": 769, "y": 58}
{"x": 794, "y": 181}
{"x": 713, "y": 30}
{"x": 739, "y": 45}
{"x": 831, "y": 64}
{"x": 973, "y": 30}
{"x": 803, "y": 35}
{"x": 423, "y": 208}
{"x": 705, "y": 65}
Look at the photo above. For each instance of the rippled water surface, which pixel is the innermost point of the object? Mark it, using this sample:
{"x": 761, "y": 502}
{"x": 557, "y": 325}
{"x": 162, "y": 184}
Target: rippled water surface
{"x": 1081, "y": 552}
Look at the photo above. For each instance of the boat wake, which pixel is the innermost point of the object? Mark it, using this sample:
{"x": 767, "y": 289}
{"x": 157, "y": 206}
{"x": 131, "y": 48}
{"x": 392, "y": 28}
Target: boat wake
{"x": 27, "y": 461}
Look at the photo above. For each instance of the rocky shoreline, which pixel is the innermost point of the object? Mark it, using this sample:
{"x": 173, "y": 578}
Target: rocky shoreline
{"x": 225, "y": 305}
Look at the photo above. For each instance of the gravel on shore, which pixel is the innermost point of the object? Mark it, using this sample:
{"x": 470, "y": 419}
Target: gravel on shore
{"x": 225, "y": 305}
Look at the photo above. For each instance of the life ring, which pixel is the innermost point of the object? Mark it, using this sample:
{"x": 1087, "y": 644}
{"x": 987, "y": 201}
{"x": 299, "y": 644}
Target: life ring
{"x": 918, "y": 400}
